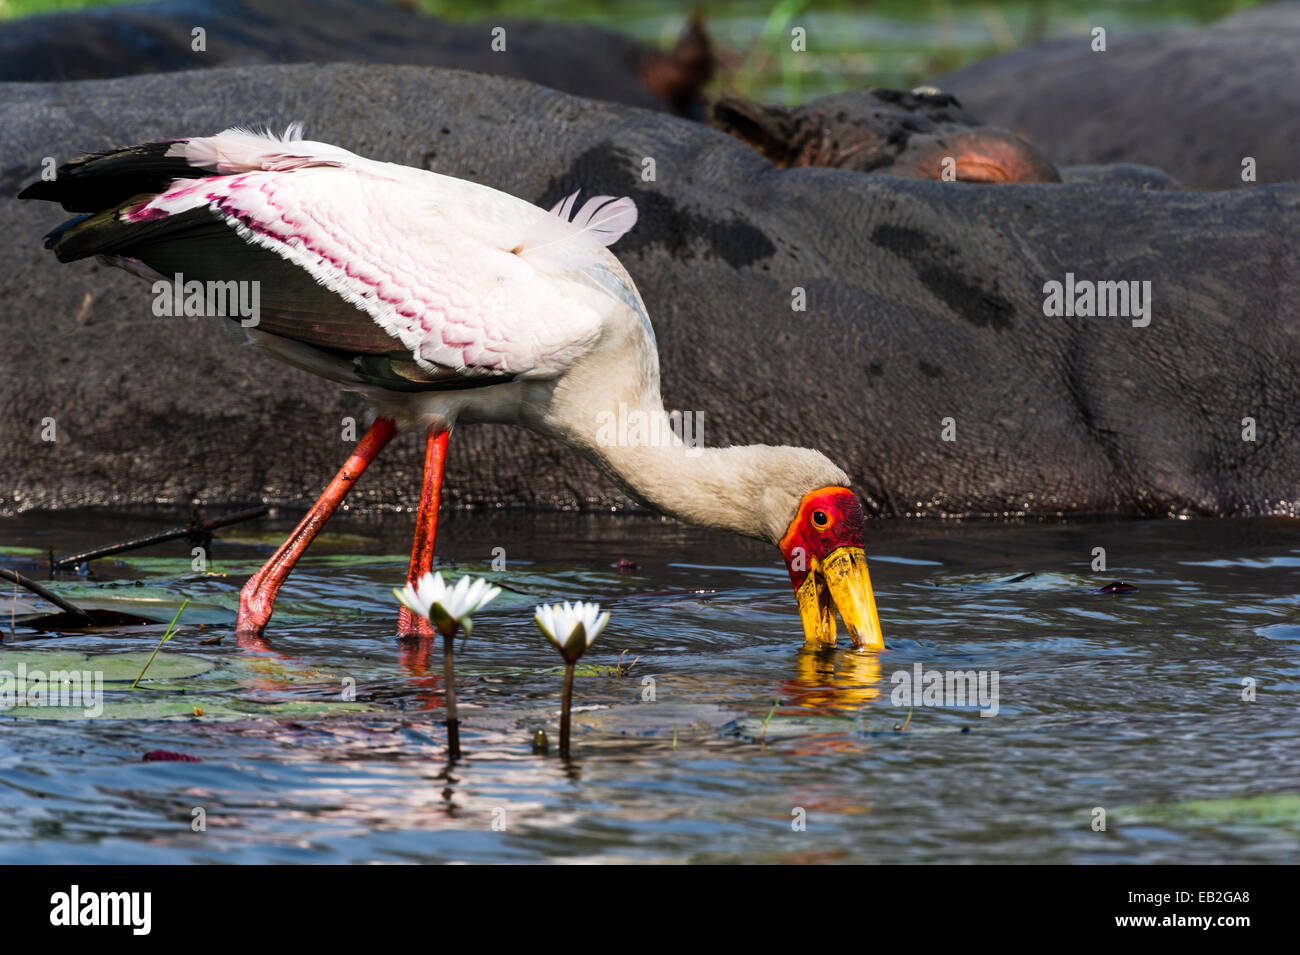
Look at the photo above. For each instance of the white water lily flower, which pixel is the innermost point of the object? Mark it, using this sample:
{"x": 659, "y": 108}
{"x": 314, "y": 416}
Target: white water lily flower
{"x": 447, "y": 607}
{"x": 571, "y": 628}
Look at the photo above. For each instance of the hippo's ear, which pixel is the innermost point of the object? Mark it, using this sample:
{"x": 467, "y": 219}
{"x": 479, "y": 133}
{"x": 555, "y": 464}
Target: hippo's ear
{"x": 769, "y": 129}
{"x": 982, "y": 154}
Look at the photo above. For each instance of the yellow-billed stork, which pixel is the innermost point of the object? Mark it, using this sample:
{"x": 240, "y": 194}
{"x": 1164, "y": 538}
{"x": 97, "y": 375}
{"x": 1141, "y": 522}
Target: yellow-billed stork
{"x": 444, "y": 301}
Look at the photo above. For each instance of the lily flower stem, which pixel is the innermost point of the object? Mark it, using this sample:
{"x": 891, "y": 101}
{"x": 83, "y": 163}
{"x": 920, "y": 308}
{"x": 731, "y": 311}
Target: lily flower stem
{"x": 565, "y": 708}
{"x": 449, "y": 688}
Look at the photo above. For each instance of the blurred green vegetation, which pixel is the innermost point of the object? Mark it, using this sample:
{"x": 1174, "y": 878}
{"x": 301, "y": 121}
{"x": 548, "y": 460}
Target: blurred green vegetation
{"x": 10, "y": 9}
{"x": 850, "y": 43}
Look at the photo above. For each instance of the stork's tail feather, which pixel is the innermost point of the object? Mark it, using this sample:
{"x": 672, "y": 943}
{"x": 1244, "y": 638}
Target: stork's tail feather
{"x": 108, "y": 233}
{"x": 101, "y": 186}
{"x": 102, "y": 180}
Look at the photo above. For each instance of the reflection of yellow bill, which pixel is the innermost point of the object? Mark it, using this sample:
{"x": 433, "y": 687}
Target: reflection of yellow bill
{"x": 840, "y": 582}
{"x": 841, "y": 680}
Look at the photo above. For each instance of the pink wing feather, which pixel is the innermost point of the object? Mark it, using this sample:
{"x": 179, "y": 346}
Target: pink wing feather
{"x": 443, "y": 264}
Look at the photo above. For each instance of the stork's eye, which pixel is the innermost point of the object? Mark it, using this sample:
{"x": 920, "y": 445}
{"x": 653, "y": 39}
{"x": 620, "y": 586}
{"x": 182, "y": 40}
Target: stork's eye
{"x": 820, "y": 519}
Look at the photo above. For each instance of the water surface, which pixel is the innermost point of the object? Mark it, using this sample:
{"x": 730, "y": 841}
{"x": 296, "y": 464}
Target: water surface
{"x": 1128, "y": 702}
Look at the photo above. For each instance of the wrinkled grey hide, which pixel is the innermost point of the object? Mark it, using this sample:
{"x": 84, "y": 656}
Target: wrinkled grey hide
{"x": 1194, "y": 102}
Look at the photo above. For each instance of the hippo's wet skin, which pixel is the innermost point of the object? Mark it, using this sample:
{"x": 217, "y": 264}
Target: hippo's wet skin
{"x": 924, "y": 317}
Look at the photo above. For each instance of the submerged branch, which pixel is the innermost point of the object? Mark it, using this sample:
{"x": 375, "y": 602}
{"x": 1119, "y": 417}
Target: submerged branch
{"x": 193, "y": 529}
{"x": 44, "y": 592}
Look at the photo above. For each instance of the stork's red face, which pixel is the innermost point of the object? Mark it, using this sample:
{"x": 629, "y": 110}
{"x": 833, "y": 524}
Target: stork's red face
{"x": 828, "y": 567}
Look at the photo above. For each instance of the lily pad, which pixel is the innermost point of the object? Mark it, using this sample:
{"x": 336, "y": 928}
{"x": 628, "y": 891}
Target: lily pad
{"x": 795, "y": 725}
{"x": 1278, "y": 809}
{"x": 656, "y": 719}
{"x": 110, "y": 667}
{"x": 791, "y": 727}
{"x": 209, "y": 709}
{"x": 630, "y": 719}
{"x": 10, "y": 550}
{"x": 158, "y": 600}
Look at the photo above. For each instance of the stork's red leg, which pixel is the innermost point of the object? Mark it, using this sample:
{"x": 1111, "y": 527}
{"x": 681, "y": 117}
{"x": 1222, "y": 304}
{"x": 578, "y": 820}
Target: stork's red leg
{"x": 426, "y": 527}
{"x": 257, "y": 599}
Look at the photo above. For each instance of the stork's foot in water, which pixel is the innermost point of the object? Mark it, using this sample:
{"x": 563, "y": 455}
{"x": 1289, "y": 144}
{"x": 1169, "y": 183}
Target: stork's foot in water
{"x": 409, "y": 625}
{"x": 255, "y": 606}
{"x": 257, "y": 599}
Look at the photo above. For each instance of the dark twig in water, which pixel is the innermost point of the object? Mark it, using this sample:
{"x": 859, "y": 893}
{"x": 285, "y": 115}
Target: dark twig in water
{"x": 193, "y": 529}
{"x": 619, "y": 669}
{"x": 49, "y": 595}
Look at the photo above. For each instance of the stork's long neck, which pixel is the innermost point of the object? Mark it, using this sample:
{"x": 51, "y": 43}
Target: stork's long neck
{"x": 662, "y": 459}
{"x": 608, "y": 405}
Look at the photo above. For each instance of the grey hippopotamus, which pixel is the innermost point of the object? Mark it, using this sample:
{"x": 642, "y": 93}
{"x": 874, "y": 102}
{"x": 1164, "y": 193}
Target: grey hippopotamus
{"x": 891, "y": 132}
{"x": 1196, "y": 102}
{"x": 160, "y": 37}
{"x": 958, "y": 350}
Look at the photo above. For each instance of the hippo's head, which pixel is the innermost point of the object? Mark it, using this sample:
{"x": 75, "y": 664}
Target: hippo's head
{"x": 923, "y": 134}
